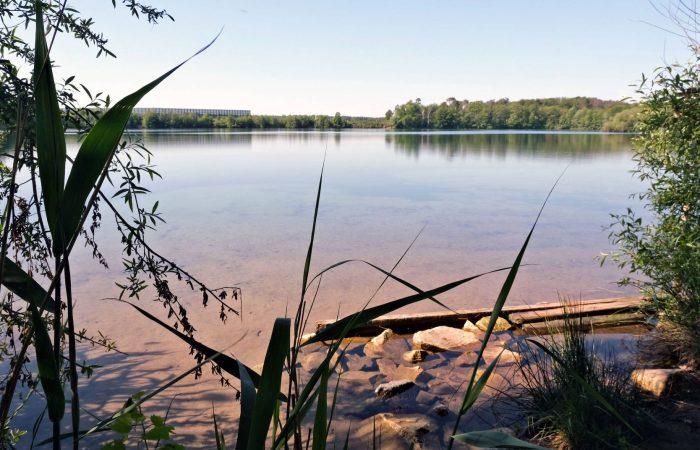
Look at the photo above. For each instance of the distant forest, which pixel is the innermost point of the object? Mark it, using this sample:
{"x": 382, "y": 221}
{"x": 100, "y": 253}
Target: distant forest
{"x": 578, "y": 113}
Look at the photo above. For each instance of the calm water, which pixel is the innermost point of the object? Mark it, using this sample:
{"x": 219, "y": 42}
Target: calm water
{"x": 239, "y": 208}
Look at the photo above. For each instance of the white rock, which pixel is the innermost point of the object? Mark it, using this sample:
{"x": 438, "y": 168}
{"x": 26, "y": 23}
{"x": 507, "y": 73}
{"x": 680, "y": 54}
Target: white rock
{"x": 655, "y": 381}
{"x": 443, "y": 338}
{"x": 469, "y": 326}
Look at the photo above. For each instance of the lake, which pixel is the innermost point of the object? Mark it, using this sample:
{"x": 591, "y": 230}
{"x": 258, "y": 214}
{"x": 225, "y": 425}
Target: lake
{"x": 239, "y": 209}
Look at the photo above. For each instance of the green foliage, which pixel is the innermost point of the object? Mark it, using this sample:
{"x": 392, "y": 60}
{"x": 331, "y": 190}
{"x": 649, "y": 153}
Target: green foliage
{"x": 578, "y": 113}
{"x": 661, "y": 246}
{"x": 152, "y": 431}
{"x": 156, "y": 121}
{"x": 573, "y": 397}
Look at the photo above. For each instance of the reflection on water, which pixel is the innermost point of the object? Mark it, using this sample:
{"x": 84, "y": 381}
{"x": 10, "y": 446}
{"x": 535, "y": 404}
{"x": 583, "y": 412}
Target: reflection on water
{"x": 532, "y": 145}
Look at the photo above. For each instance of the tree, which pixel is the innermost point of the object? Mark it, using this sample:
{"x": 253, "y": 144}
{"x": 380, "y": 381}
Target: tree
{"x": 663, "y": 251}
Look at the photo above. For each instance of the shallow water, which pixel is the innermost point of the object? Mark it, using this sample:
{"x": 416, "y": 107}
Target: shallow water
{"x": 239, "y": 208}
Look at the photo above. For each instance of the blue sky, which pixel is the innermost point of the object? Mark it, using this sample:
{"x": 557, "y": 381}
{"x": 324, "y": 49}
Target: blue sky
{"x": 364, "y": 57}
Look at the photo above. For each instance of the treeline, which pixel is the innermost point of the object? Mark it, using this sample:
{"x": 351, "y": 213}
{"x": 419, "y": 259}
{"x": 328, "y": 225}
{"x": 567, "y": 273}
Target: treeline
{"x": 578, "y": 113}
{"x": 156, "y": 121}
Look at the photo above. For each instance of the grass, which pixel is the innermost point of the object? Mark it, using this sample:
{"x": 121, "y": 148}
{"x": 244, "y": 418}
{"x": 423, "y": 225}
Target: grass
{"x": 564, "y": 412}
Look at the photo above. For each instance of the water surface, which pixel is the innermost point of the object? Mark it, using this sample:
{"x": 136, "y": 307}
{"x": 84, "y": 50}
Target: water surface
{"x": 239, "y": 208}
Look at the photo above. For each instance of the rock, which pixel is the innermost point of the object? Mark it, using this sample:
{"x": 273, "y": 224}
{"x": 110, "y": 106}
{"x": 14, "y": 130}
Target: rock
{"x": 393, "y": 388}
{"x": 501, "y": 324}
{"x": 507, "y": 357}
{"x": 386, "y": 344}
{"x": 358, "y": 377}
{"x": 469, "y": 326}
{"x": 426, "y": 399}
{"x": 441, "y": 409}
{"x": 357, "y": 362}
{"x": 443, "y": 338}
{"x": 467, "y": 359}
{"x": 655, "y": 381}
{"x": 415, "y": 355}
{"x": 306, "y": 337}
{"x": 411, "y": 427}
{"x": 383, "y": 337}
{"x": 312, "y": 360}
{"x": 394, "y": 371}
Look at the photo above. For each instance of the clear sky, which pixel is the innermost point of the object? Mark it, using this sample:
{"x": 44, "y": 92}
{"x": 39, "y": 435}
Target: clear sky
{"x": 364, "y": 57}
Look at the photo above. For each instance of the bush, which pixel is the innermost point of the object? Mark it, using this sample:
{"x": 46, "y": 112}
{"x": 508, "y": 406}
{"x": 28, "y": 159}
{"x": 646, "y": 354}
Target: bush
{"x": 560, "y": 408}
{"x": 662, "y": 249}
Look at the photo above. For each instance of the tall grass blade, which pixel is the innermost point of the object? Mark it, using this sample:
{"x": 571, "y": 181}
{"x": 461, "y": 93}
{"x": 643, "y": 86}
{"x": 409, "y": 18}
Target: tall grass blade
{"x": 48, "y": 367}
{"x": 270, "y": 382}
{"x": 17, "y": 281}
{"x": 495, "y": 439}
{"x": 307, "y": 261}
{"x": 590, "y": 390}
{"x": 473, "y": 393}
{"x": 228, "y": 364}
{"x": 497, "y": 308}
{"x": 98, "y": 148}
{"x": 335, "y": 330}
{"x": 247, "y": 405}
{"x": 50, "y": 138}
{"x": 320, "y": 425}
{"x": 220, "y": 441}
{"x": 387, "y": 274}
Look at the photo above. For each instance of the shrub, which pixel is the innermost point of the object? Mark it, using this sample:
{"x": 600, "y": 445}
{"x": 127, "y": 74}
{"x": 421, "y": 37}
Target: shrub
{"x": 661, "y": 246}
{"x": 560, "y": 409}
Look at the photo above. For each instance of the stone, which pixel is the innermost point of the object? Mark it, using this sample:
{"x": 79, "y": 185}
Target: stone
{"x": 386, "y": 344}
{"x": 466, "y": 359}
{"x": 501, "y": 324}
{"x": 469, "y": 326}
{"x": 392, "y": 388}
{"x": 415, "y": 355}
{"x": 411, "y": 427}
{"x": 383, "y": 337}
{"x": 311, "y": 361}
{"x": 357, "y": 362}
{"x": 306, "y": 338}
{"x": 655, "y": 381}
{"x": 393, "y": 371}
{"x": 441, "y": 409}
{"x": 426, "y": 399}
{"x": 507, "y": 356}
{"x": 443, "y": 338}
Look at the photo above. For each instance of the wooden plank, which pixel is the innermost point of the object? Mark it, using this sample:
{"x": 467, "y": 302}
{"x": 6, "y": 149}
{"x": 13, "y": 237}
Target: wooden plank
{"x": 408, "y": 323}
{"x": 613, "y": 320}
{"x": 575, "y": 309}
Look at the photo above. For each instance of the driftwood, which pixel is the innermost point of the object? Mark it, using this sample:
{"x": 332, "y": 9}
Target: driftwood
{"x": 587, "y": 322}
{"x": 610, "y": 306}
{"x": 519, "y": 315}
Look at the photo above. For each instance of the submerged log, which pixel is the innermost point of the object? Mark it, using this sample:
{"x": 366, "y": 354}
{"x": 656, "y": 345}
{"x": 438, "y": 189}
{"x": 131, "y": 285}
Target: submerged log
{"x": 616, "y": 305}
{"x": 409, "y": 323}
{"x": 587, "y": 322}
